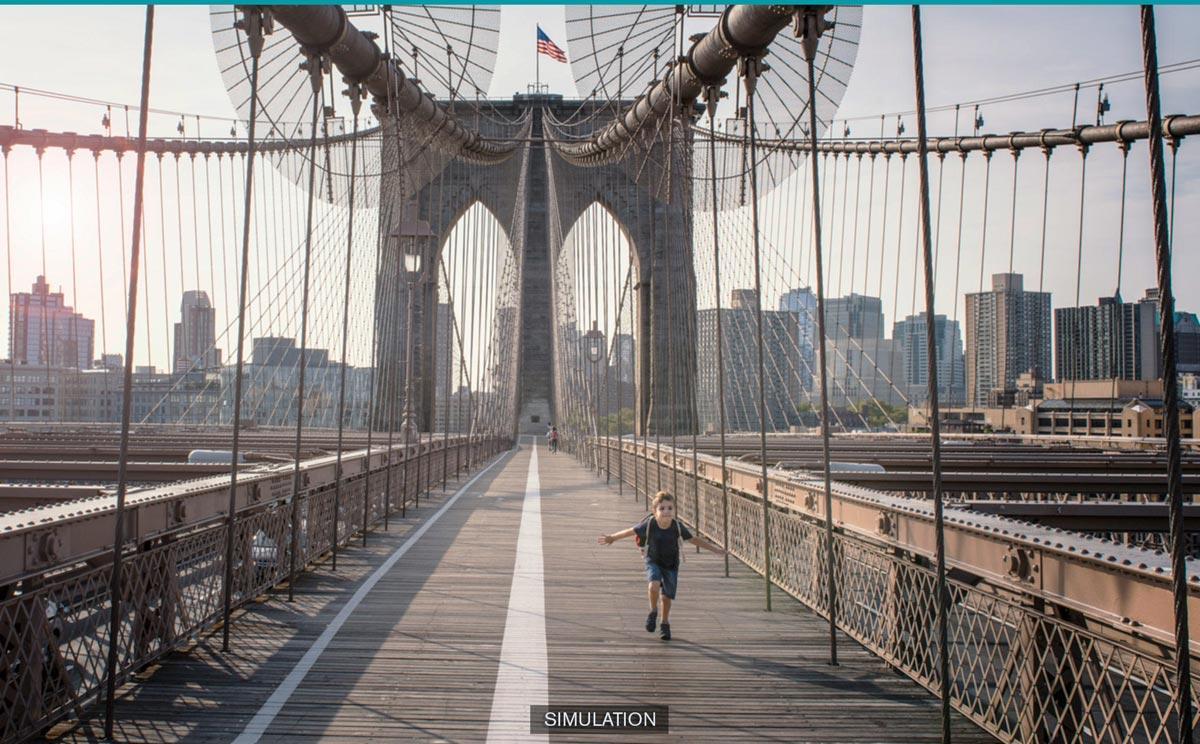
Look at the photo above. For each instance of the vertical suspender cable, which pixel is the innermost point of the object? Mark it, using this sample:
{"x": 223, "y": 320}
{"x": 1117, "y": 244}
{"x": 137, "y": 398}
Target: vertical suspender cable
{"x": 962, "y": 180}
{"x": 314, "y": 62}
{"x": 672, "y": 352}
{"x": 253, "y": 27}
{"x": 100, "y": 272}
{"x": 943, "y": 598}
{"x": 1166, "y": 307}
{"x": 6, "y": 151}
{"x": 114, "y": 589}
{"x": 813, "y": 26}
{"x": 355, "y": 103}
{"x": 410, "y": 286}
{"x": 1046, "y": 151}
{"x": 383, "y": 239}
{"x": 609, "y": 337}
{"x": 162, "y": 237}
{"x": 449, "y": 331}
{"x": 713, "y": 95}
{"x": 44, "y": 346}
{"x": 390, "y": 382}
{"x": 620, "y": 310}
{"x": 74, "y": 280}
{"x": 656, "y": 392}
{"x": 751, "y": 69}
{"x": 648, "y": 277}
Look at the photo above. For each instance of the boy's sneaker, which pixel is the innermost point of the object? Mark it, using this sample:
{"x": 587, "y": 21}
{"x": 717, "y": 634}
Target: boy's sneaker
{"x": 664, "y": 631}
{"x": 651, "y": 620}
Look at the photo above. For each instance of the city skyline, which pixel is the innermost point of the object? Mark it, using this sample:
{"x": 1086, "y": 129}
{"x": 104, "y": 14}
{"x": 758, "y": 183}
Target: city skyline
{"x": 878, "y": 82}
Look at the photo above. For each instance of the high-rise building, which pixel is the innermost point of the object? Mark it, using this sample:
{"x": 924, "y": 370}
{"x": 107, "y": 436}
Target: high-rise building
{"x": 280, "y": 351}
{"x": 450, "y": 403}
{"x": 1008, "y": 333}
{"x": 196, "y": 334}
{"x": 1187, "y": 337}
{"x": 1187, "y": 342}
{"x": 854, "y": 316}
{"x": 803, "y": 303}
{"x": 44, "y": 330}
{"x": 626, "y": 356}
{"x": 910, "y": 336}
{"x": 739, "y": 328}
{"x": 864, "y": 365}
{"x": 1110, "y": 340}
{"x": 271, "y": 385}
{"x": 865, "y": 370}
{"x": 744, "y": 299}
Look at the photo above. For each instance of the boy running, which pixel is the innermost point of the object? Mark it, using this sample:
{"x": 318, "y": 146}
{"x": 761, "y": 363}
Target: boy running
{"x": 660, "y": 536}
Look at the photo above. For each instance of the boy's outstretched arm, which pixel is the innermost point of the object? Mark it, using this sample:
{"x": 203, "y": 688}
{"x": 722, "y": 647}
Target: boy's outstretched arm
{"x": 701, "y": 542}
{"x": 610, "y": 539}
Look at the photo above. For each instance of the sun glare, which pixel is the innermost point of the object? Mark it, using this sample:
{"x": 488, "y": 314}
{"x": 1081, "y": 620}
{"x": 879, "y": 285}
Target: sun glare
{"x": 55, "y": 212}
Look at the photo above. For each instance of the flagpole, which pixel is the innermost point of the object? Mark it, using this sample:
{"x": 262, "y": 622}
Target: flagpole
{"x": 537, "y": 62}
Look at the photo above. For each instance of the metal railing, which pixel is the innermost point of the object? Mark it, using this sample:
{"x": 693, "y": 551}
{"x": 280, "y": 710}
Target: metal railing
{"x": 54, "y": 627}
{"x": 1026, "y": 665}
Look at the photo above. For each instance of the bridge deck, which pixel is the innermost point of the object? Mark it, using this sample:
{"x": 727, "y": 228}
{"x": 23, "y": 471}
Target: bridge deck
{"x": 419, "y": 657}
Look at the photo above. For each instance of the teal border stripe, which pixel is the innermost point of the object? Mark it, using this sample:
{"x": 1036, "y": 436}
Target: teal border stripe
{"x": 988, "y": 3}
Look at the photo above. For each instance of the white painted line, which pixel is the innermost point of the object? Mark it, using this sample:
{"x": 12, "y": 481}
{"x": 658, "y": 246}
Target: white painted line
{"x": 262, "y": 719}
{"x": 522, "y": 679}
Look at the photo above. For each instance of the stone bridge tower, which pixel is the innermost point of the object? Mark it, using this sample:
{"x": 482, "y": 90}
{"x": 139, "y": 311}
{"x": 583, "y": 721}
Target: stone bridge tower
{"x": 518, "y": 194}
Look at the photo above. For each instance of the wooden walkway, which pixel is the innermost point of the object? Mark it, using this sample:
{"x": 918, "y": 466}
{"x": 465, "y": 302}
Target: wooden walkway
{"x": 418, "y": 658}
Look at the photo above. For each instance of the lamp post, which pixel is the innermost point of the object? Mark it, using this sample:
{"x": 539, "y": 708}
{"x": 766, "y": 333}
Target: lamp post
{"x": 593, "y": 345}
{"x": 412, "y": 262}
{"x": 412, "y": 270}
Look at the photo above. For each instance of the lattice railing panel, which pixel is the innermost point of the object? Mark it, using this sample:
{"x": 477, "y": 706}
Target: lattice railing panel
{"x": 1019, "y": 671}
{"x": 55, "y": 639}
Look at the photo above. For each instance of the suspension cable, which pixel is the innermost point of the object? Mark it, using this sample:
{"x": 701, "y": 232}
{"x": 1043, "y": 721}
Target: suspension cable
{"x": 1182, "y": 702}
{"x": 254, "y": 29}
{"x": 812, "y": 30}
{"x": 751, "y": 68}
{"x": 115, "y": 589}
{"x": 355, "y": 103}
{"x": 943, "y": 594}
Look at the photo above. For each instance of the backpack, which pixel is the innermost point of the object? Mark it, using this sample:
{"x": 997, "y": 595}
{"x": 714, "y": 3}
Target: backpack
{"x": 645, "y": 544}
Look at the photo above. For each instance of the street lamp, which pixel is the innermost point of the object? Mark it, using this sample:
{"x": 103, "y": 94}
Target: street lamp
{"x": 411, "y": 236}
{"x": 593, "y": 345}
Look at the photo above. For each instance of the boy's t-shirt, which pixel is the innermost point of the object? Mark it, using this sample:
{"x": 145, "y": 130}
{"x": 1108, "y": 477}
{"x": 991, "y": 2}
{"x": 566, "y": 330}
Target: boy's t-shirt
{"x": 665, "y": 550}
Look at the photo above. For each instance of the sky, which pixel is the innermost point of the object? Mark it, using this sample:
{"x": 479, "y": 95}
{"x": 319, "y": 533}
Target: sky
{"x": 970, "y": 53}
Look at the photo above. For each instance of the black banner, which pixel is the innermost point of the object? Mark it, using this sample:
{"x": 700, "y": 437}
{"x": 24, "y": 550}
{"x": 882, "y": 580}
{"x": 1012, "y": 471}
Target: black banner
{"x": 548, "y": 719}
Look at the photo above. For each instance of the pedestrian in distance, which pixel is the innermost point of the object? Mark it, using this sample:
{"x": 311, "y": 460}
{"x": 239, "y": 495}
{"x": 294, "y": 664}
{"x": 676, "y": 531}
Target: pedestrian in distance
{"x": 661, "y": 537}
{"x": 554, "y": 439}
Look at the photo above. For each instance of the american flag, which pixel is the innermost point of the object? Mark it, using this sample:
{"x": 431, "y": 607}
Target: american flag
{"x": 549, "y": 48}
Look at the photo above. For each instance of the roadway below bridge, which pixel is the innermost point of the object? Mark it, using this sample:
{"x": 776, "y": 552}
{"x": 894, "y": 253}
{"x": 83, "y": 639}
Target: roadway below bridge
{"x": 496, "y": 597}
{"x": 974, "y": 468}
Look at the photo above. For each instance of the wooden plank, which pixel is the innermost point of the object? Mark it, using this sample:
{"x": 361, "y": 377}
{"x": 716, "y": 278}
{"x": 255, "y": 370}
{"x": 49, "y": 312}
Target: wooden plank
{"x": 417, "y": 660}
{"x": 732, "y": 671}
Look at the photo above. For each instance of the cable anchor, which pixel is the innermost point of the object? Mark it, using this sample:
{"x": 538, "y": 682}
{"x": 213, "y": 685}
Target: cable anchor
{"x": 808, "y": 26}
{"x": 257, "y": 23}
{"x": 317, "y": 64}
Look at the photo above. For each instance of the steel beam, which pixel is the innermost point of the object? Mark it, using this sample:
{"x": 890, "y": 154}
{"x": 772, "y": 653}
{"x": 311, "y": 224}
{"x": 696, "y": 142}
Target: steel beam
{"x": 741, "y": 30}
{"x": 1173, "y": 127}
{"x": 35, "y": 540}
{"x": 327, "y": 29}
{"x": 1091, "y": 517}
{"x": 1112, "y": 585}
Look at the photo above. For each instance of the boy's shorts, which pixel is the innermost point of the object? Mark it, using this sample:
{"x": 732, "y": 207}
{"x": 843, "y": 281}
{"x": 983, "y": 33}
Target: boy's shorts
{"x": 667, "y": 578}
